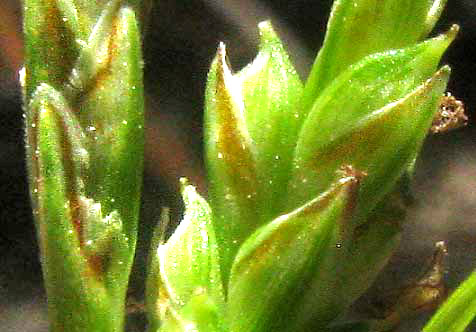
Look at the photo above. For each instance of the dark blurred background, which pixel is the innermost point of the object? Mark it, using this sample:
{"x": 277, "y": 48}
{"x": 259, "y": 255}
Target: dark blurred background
{"x": 180, "y": 42}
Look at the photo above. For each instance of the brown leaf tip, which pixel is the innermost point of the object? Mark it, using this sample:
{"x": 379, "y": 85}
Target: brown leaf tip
{"x": 450, "y": 115}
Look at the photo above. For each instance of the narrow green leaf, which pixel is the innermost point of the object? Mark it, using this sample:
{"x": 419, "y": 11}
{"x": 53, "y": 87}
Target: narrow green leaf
{"x": 272, "y": 268}
{"x": 458, "y": 311}
{"x": 377, "y": 26}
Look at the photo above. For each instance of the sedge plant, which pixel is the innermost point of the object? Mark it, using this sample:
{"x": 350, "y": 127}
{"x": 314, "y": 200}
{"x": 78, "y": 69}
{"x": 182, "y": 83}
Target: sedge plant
{"x": 307, "y": 180}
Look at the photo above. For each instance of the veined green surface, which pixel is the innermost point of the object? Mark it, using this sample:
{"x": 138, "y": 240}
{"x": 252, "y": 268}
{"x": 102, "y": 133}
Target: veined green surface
{"x": 84, "y": 102}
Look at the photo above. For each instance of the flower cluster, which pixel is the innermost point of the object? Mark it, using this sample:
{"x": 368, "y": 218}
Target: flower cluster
{"x": 307, "y": 181}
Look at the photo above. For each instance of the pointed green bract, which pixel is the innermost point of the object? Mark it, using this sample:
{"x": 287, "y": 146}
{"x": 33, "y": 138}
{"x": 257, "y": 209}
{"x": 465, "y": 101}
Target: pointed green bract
{"x": 382, "y": 145}
{"x": 71, "y": 277}
{"x": 273, "y": 266}
{"x": 359, "y": 28}
{"x": 246, "y": 116}
{"x": 74, "y": 137}
{"x": 230, "y": 162}
{"x": 271, "y": 94}
{"x": 82, "y": 15}
{"x": 116, "y": 134}
{"x": 95, "y": 53}
{"x": 348, "y": 133}
{"x": 71, "y": 21}
{"x": 365, "y": 250}
{"x": 188, "y": 265}
{"x": 369, "y": 85}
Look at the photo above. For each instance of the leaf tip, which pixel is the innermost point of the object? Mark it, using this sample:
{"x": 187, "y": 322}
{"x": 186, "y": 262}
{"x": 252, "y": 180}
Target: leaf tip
{"x": 453, "y": 31}
{"x": 451, "y": 34}
{"x": 266, "y": 32}
{"x": 443, "y": 73}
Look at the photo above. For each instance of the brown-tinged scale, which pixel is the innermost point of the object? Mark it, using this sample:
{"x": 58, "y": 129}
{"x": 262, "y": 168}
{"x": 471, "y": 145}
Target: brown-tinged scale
{"x": 450, "y": 115}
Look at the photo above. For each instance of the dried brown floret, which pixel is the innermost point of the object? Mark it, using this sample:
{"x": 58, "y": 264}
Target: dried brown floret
{"x": 450, "y": 115}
